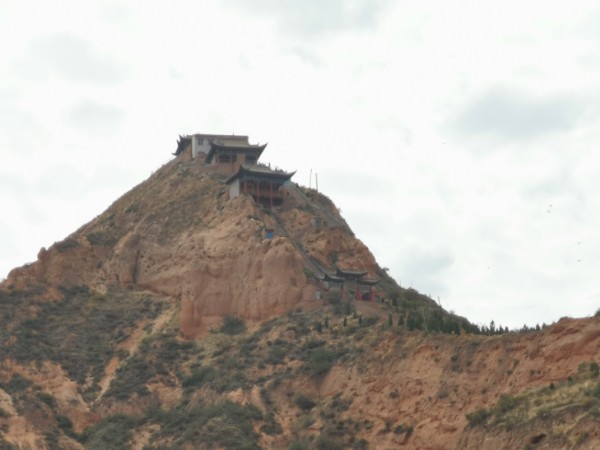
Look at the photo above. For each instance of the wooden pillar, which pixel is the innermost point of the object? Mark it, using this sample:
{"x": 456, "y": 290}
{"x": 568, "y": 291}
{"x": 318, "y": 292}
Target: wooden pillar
{"x": 257, "y": 195}
{"x": 343, "y": 290}
{"x": 245, "y": 188}
{"x": 371, "y": 294}
{"x": 358, "y": 296}
{"x": 271, "y": 192}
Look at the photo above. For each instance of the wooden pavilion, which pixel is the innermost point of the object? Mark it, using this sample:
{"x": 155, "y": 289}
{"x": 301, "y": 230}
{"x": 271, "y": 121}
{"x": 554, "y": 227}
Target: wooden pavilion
{"x": 262, "y": 183}
{"x": 233, "y": 153}
{"x": 358, "y": 278}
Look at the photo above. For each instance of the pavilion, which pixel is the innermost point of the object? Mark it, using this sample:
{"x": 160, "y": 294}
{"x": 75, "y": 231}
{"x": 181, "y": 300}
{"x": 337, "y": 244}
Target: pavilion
{"x": 218, "y": 148}
{"x": 262, "y": 183}
{"x": 358, "y": 278}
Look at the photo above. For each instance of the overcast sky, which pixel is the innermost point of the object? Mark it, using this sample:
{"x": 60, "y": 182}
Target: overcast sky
{"x": 460, "y": 139}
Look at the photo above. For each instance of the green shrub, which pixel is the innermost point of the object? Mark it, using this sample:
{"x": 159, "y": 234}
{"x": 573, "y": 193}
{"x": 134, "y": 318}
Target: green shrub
{"x": 199, "y": 376}
{"x": 594, "y": 369}
{"x": 48, "y": 399}
{"x": 232, "y": 325}
{"x": 4, "y": 445}
{"x": 478, "y": 417}
{"x": 327, "y": 441}
{"x": 301, "y": 444}
{"x": 401, "y": 428}
{"x": 112, "y": 432}
{"x": 505, "y": 404}
{"x": 65, "y": 424}
{"x": 304, "y": 403}
{"x": 16, "y": 384}
{"x": 320, "y": 360}
{"x": 595, "y": 392}
{"x": 271, "y": 426}
{"x": 226, "y": 425}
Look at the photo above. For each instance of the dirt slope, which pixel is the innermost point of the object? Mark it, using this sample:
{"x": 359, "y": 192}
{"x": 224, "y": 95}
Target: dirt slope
{"x": 179, "y": 234}
{"x": 114, "y": 338}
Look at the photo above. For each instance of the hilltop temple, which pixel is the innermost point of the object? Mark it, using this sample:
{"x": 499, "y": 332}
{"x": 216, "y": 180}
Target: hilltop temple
{"x": 233, "y": 156}
{"x": 236, "y": 157}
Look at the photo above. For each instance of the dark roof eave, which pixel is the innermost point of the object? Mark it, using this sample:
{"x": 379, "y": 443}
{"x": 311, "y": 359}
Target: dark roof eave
{"x": 182, "y": 142}
{"x": 350, "y": 273}
{"x": 281, "y": 176}
{"x": 333, "y": 278}
{"x": 258, "y": 149}
{"x": 369, "y": 281}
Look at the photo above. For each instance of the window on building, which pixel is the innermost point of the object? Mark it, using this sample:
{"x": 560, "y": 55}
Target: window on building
{"x": 199, "y": 140}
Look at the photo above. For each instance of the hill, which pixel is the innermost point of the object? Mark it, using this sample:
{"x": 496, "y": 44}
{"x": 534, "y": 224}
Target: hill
{"x": 184, "y": 318}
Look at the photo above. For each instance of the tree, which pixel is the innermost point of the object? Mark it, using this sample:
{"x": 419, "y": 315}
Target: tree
{"x": 232, "y": 325}
{"x": 594, "y": 369}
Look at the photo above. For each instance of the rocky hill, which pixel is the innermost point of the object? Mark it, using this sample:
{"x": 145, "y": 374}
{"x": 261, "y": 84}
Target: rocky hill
{"x": 178, "y": 234}
{"x": 173, "y": 321}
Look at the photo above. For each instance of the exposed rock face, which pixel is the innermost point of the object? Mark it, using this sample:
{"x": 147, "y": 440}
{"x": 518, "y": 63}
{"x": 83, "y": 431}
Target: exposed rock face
{"x": 433, "y": 382}
{"x": 179, "y": 234}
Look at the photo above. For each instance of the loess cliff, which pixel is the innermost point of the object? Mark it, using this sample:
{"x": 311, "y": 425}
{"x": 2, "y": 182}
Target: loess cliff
{"x": 178, "y": 234}
{"x": 172, "y": 321}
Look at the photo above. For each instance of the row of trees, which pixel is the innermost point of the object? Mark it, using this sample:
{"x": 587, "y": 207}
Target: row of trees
{"x": 437, "y": 321}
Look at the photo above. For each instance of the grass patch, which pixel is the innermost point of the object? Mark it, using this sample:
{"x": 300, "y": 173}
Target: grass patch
{"x": 79, "y": 332}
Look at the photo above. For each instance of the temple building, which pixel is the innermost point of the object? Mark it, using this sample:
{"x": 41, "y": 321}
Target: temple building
{"x": 262, "y": 183}
{"x": 231, "y": 154}
{"x": 353, "y": 277}
{"x": 234, "y": 157}
{"x": 218, "y": 148}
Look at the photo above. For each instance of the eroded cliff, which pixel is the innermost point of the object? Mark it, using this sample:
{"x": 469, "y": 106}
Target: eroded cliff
{"x": 115, "y": 338}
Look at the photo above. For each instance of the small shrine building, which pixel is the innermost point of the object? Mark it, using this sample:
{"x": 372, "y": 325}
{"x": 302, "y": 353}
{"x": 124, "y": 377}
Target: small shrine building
{"x": 262, "y": 183}
{"x": 218, "y": 148}
{"x": 344, "y": 277}
{"x": 236, "y": 158}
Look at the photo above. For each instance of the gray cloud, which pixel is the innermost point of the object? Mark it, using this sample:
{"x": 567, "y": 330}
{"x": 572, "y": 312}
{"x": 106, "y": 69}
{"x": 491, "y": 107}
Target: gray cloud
{"x": 423, "y": 269}
{"x": 21, "y": 191}
{"x": 94, "y": 118}
{"x": 20, "y": 129}
{"x": 317, "y": 17}
{"x": 71, "y": 58}
{"x": 356, "y": 184}
{"x": 511, "y": 114}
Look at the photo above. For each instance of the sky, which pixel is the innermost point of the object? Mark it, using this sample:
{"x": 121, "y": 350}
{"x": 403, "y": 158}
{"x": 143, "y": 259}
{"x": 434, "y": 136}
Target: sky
{"x": 459, "y": 139}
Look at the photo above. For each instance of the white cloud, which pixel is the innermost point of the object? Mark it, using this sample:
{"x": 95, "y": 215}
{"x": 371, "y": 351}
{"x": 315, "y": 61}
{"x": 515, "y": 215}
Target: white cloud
{"x": 94, "y": 118}
{"x": 443, "y": 131}
{"x": 69, "y": 57}
{"x": 511, "y": 114}
{"x": 316, "y": 17}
